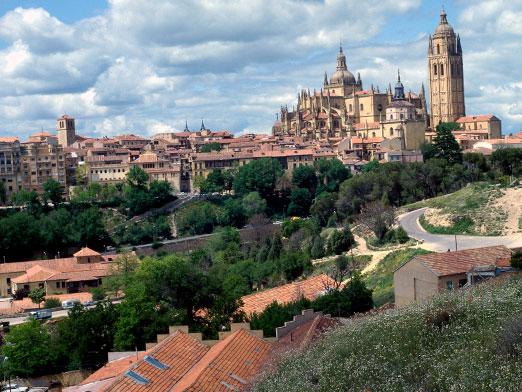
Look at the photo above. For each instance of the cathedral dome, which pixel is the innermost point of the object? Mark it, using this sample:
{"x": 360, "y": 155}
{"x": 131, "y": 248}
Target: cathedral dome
{"x": 444, "y": 28}
{"x": 342, "y": 76}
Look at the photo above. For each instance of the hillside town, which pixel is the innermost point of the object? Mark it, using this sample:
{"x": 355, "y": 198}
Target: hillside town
{"x": 371, "y": 240}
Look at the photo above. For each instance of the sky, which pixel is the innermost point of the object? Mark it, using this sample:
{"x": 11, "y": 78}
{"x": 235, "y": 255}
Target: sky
{"x": 142, "y": 66}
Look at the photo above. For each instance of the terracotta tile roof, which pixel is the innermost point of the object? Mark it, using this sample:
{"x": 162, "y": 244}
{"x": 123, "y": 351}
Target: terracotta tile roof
{"x": 86, "y": 252}
{"x": 114, "y": 368}
{"x": 367, "y": 140}
{"x": 283, "y": 153}
{"x": 35, "y": 274}
{"x": 310, "y": 288}
{"x": 179, "y": 352}
{"x": 452, "y": 263}
{"x": 130, "y": 137}
{"x": 479, "y": 117}
{"x": 8, "y": 139}
{"x": 149, "y": 157}
{"x": 68, "y": 264}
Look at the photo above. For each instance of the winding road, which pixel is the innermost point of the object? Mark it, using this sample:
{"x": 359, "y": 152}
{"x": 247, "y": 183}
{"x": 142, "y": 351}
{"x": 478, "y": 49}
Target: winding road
{"x": 442, "y": 242}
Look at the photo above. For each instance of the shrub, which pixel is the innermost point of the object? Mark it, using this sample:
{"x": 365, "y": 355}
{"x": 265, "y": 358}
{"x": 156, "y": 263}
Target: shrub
{"x": 509, "y": 340}
{"x": 275, "y": 315}
{"x": 98, "y": 294}
{"x": 516, "y": 260}
{"x": 52, "y": 302}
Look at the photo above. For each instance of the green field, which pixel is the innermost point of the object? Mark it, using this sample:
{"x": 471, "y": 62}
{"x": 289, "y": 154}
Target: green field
{"x": 461, "y": 341}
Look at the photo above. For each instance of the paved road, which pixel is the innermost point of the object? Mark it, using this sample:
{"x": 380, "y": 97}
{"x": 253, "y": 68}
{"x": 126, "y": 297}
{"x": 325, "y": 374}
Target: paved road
{"x": 441, "y": 243}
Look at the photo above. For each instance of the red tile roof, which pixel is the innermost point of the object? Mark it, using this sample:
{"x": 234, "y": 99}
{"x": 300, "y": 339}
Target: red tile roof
{"x": 310, "y": 288}
{"x": 192, "y": 366}
{"x": 8, "y": 139}
{"x": 179, "y": 352}
{"x": 114, "y": 368}
{"x": 86, "y": 252}
{"x": 452, "y": 263}
{"x": 479, "y": 117}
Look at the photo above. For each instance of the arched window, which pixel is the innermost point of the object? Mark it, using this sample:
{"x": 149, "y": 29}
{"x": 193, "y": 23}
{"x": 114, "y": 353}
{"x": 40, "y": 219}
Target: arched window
{"x": 402, "y": 116}
{"x": 391, "y": 131}
{"x": 373, "y": 134}
{"x": 438, "y": 49}
{"x": 435, "y": 69}
{"x": 350, "y": 107}
{"x": 442, "y": 70}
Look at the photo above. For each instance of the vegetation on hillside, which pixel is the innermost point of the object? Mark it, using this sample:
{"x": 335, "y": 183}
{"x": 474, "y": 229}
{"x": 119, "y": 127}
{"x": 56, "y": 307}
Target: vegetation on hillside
{"x": 380, "y": 279}
{"x": 466, "y": 340}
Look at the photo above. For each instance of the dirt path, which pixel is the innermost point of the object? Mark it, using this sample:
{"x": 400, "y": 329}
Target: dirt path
{"x": 511, "y": 203}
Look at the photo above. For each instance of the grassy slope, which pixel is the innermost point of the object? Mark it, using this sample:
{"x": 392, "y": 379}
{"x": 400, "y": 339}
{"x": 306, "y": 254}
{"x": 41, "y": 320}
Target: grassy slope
{"x": 408, "y": 350}
{"x": 380, "y": 280}
{"x": 471, "y": 204}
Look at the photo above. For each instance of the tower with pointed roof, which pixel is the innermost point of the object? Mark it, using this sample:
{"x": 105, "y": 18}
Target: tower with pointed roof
{"x": 446, "y": 74}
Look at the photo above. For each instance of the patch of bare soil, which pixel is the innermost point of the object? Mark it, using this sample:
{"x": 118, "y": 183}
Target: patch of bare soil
{"x": 511, "y": 203}
{"x": 435, "y": 217}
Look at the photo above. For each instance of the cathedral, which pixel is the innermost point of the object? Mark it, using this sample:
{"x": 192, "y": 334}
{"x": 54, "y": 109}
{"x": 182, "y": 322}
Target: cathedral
{"x": 343, "y": 108}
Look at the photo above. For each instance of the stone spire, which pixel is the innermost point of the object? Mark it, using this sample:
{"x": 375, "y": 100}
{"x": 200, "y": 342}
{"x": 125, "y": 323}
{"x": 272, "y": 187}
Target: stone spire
{"x": 202, "y": 126}
{"x": 399, "y": 88}
{"x": 459, "y": 46}
{"x": 325, "y": 78}
{"x": 186, "y": 127}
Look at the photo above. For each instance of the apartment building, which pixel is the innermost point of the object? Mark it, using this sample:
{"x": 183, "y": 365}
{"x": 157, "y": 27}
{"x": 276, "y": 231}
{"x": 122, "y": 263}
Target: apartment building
{"x": 107, "y": 169}
{"x": 41, "y": 159}
{"x": 10, "y": 164}
{"x": 159, "y": 168}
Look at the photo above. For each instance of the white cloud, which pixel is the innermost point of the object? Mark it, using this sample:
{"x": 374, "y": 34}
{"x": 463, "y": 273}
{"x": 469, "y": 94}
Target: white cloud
{"x": 142, "y": 68}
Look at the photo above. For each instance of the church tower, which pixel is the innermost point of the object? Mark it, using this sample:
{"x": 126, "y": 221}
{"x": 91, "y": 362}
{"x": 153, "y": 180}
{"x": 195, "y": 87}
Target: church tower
{"x": 66, "y": 130}
{"x": 446, "y": 74}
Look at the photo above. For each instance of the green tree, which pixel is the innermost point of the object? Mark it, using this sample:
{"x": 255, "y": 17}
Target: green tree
{"x": 331, "y": 174}
{"x": 28, "y": 199}
{"x": 37, "y": 295}
{"x": 508, "y": 160}
{"x": 198, "y": 218}
{"x": 370, "y": 166}
{"x": 3, "y": 193}
{"x": 446, "y": 146}
{"x": 253, "y": 204}
{"x": 215, "y": 182}
{"x": 87, "y": 335}
{"x": 137, "y": 177}
{"x": 300, "y": 202}
{"x": 53, "y": 191}
{"x": 260, "y": 176}
{"x": 340, "y": 241}
{"x": 30, "y": 350}
{"x": 323, "y": 207}
{"x": 88, "y": 229}
{"x": 305, "y": 177}
{"x": 209, "y": 147}
{"x": 275, "y": 315}
{"x": 81, "y": 175}
{"x": 160, "y": 192}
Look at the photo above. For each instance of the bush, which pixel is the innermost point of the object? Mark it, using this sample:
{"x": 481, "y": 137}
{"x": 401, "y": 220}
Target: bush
{"x": 52, "y": 302}
{"x": 275, "y": 315}
{"x": 98, "y": 294}
{"x": 340, "y": 241}
{"x": 516, "y": 260}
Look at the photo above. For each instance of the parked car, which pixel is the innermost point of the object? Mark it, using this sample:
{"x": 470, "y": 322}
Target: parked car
{"x": 68, "y": 304}
{"x": 14, "y": 388}
{"x": 41, "y": 314}
{"x": 89, "y": 303}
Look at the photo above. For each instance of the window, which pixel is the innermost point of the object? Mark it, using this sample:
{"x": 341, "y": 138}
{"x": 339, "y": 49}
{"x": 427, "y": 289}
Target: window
{"x": 57, "y": 285}
{"x": 442, "y": 70}
{"x": 438, "y": 49}
{"x": 63, "y": 285}
{"x": 350, "y": 107}
{"x": 391, "y": 131}
{"x": 435, "y": 69}
{"x": 41, "y": 285}
{"x": 362, "y": 106}
{"x": 449, "y": 285}
{"x": 462, "y": 282}
{"x": 8, "y": 281}
{"x": 402, "y": 116}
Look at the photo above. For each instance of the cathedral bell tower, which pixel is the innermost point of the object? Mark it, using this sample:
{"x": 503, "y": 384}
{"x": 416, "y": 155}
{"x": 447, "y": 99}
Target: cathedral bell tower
{"x": 446, "y": 74}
